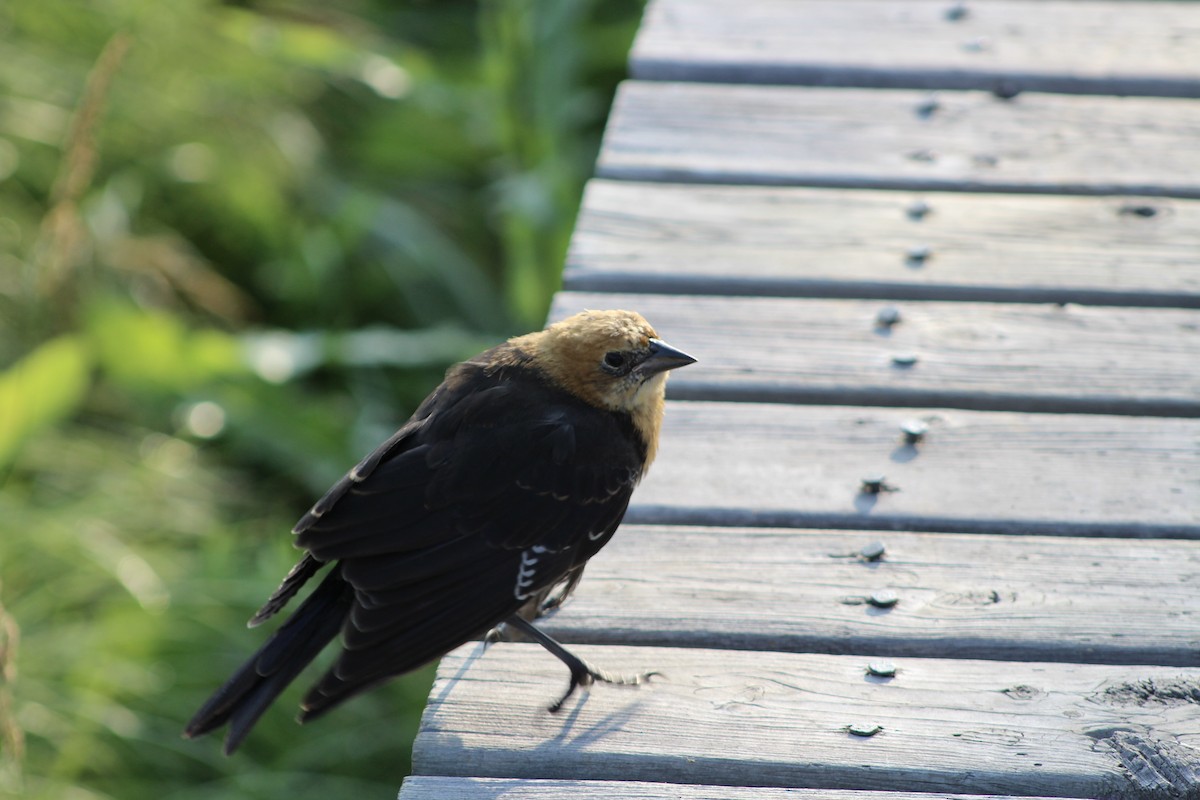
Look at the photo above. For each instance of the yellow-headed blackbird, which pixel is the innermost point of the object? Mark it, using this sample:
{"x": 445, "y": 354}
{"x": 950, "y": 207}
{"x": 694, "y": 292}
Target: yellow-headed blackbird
{"x": 483, "y": 509}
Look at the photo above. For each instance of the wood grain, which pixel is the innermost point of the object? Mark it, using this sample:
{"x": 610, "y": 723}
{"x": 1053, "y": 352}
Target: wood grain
{"x": 775, "y": 719}
{"x": 1073, "y": 46}
{"x": 970, "y": 355}
{"x": 1019, "y": 598}
{"x": 790, "y": 241}
{"x": 979, "y": 472}
{"x": 424, "y": 787}
{"x": 872, "y": 138}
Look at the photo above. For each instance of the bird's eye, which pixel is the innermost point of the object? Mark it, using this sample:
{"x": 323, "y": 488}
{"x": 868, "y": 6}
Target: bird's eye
{"x": 614, "y": 359}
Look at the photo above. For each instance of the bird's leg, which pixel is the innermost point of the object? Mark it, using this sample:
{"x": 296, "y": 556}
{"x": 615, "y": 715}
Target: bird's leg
{"x": 582, "y": 673}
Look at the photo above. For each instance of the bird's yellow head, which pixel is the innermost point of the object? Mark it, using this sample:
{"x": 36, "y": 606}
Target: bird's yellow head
{"x": 611, "y": 359}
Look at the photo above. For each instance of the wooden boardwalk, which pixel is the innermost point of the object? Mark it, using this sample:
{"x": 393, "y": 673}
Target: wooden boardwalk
{"x": 975, "y": 222}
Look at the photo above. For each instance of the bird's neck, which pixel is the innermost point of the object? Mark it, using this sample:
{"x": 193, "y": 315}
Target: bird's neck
{"x": 644, "y": 407}
{"x": 647, "y": 415}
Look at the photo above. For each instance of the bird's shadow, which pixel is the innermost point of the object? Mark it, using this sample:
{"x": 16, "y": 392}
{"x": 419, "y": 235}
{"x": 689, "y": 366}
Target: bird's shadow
{"x": 611, "y": 723}
{"x": 570, "y": 715}
{"x": 865, "y": 501}
{"x": 475, "y": 654}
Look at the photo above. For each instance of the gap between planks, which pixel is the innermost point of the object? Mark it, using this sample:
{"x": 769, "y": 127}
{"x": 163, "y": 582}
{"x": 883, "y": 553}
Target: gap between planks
{"x": 890, "y": 139}
{"x": 722, "y": 717}
{"x": 791, "y": 241}
{"x": 1118, "y": 48}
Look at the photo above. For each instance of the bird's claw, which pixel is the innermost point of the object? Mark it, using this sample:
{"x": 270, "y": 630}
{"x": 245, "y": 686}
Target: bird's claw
{"x": 584, "y": 675}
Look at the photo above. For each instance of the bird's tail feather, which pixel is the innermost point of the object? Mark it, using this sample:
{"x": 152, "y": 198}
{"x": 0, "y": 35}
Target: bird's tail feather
{"x": 295, "y": 579}
{"x": 246, "y": 695}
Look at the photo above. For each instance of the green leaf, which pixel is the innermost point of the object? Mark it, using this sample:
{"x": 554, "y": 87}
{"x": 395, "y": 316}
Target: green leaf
{"x": 154, "y": 351}
{"x": 41, "y": 389}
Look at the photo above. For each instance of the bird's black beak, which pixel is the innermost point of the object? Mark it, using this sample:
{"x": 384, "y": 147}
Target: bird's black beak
{"x": 662, "y": 358}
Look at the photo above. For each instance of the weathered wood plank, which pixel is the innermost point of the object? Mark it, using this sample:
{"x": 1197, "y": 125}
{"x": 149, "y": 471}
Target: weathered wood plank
{"x": 899, "y": 139}
{"x": 427, "y": 787}
{"x": 1019, "y": 598}
{"x": 989, "y": 472}
{"x": 1089, "y": 47}
{"x": 723, "y": 717}
{"x": 970, "y": 355}
{"x": 742, "y": 240}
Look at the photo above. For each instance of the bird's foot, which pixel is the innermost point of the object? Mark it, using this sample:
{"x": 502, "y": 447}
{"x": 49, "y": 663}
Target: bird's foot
{"x": 584, "y": 675}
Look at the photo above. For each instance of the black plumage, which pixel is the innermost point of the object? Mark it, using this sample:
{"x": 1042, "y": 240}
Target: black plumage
{"x": 513, "y": 473}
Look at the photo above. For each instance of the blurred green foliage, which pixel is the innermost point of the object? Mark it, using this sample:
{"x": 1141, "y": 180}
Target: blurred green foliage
{"x": 238, "y": 243}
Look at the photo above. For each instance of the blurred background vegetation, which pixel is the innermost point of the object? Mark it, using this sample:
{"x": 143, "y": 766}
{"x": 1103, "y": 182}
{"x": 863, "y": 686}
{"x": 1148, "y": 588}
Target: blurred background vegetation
{"x": 239, "y": 241}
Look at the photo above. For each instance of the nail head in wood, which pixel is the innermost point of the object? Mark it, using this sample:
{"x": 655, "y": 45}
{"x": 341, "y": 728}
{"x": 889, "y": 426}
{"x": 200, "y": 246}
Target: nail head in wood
{"x": 918, "y": 210}
{"x": 928, "y": 107}
{"x": 873, "y": 552}
{"x": 1006, "y": 89}
{"x": 881, "y": 669}
{"x": 884, "y": 598}
{"x": 887, "y": 317}
{"x": 919, "y": 254}
{"x": 863, "y": 729}
{"x": 1136, "y": 210}
{"x": 914, "y": 430}
{"x": 874, "y": 484}
{"x": 957, "y": 12}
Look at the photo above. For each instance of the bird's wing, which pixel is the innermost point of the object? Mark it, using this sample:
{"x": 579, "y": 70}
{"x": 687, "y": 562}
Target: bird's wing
{"x": 361, "y": 472}
{"x": 511, "y": 464}
{"x": 499, "y": 493}
{"x": 311, "y": 564}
